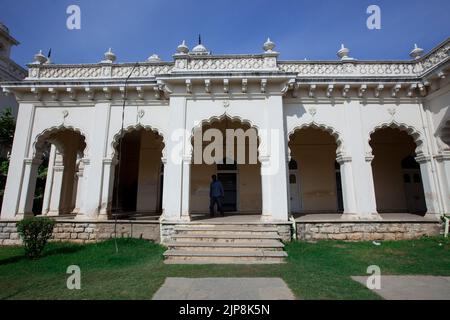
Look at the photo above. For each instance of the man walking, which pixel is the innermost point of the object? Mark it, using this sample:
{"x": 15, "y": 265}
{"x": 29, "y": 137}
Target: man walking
{"x": 215, "y": 196}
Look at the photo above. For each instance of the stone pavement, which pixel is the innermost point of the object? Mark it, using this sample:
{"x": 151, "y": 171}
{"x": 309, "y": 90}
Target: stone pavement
{"x": 412, "y": 287}
{"x": 224, "y": 289}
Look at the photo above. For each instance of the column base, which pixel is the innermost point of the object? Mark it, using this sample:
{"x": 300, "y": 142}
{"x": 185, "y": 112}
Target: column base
{"x": 365, "y": 217}
{"x": 270, "y": 218}
{"x": 52, "y": 213}
{"x": 103, "y": 216}
{"x": 174, "y": 220}
{"x": 21, "y": 216}
{"x": 433, "y": 216}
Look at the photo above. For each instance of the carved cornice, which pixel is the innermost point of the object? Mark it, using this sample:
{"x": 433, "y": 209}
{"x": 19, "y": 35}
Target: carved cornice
{"x": 250, "y": 63}
{"x": 331, "y": 79}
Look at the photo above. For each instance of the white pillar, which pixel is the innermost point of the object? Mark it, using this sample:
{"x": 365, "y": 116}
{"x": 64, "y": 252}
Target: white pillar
{"x": 355, "y": 144}
{"x": 186, "y": 188}
{"x": 348, "y": 188}
{"x": 109, "y": 166}
{"x": 274, "y": 173}
{"x": 49, "y": 181}
{"x": 28, "y": 187}
{"x": 443, "y": 161}
{"x": 57, "y": 183}
{"x": 173, "y": 166}
{"x": 79, "y": 188}
{"x": 266, "y": 214}
{"x": 429, "y": 189}
{"x": 16, "y": 171}
{"x": 94, "y": 168}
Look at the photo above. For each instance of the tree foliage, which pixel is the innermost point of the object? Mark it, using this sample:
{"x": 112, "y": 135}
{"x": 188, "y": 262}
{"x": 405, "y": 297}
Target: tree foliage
{"x": 7, "y": 127}
{"x": 35, "y": 232}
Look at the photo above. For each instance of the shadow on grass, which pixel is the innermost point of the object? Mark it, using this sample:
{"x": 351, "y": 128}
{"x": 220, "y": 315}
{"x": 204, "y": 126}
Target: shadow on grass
{"x": 46, "y": 253}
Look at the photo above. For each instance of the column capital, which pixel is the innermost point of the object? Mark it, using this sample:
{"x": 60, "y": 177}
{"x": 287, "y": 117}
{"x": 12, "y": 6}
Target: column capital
{"x": 369, "y": 157}
{"x": 110, "y": 161}
{"x": 58, "y": 168}
{"x": 422, "y": 158}
{"x": 443, "y": 155}
{"x": 342, "y": 158}
{"x": 264, "y": 159}
{"x": 31, "y": 161}
{"x": 187, "y": 159}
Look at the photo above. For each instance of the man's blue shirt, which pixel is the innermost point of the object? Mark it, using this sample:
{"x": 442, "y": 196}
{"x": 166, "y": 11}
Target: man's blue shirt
{"x": 216, "y": 189}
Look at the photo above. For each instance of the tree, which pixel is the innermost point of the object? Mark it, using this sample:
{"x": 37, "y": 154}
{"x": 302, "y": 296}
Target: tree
{"x": 7, "y": 128}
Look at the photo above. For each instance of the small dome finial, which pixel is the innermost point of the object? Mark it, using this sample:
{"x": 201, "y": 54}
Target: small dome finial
{"x": 417, "y": 52}
{"x": 110, "y": 57}
{"x": 182, "y": 48}
{"x": 154, "y": 58}
{"x": 343, "y": 53}
{"x": 39, "y": 58}
{"x": 200, "y": 49}
{"x": 268, "y": 46}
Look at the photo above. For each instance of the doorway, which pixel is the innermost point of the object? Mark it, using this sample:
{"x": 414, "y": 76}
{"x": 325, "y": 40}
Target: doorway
{"x": 294, "y": 187}
{"x": 415, "y": 197}
{"x": 227, "y": 175}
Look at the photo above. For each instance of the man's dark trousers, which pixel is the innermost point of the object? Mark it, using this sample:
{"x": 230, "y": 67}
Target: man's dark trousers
{"x": 212, "y": 202}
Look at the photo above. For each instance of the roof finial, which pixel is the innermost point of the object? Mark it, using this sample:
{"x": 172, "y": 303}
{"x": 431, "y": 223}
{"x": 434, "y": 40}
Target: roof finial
{"x": 199, "y": 38}
{"x": 417, "y": 52}
{"x": 343, "y": 53}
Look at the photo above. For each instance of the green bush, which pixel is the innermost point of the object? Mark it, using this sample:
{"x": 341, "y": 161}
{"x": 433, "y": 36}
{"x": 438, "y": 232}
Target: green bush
{"x": 35, "y": 233}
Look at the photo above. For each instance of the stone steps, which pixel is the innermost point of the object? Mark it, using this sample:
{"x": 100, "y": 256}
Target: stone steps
{"x": 224, "y": 257}
{"x": 224, "y": 244}
{"x": 238, "y": 238}
{"x": 271, "y": 245}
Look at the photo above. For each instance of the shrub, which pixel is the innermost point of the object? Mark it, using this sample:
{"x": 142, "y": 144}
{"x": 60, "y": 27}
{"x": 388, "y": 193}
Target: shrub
{"x": 35, "y": 233}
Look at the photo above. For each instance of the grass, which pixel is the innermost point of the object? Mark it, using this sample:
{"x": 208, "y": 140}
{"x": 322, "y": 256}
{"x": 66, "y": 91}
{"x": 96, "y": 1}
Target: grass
{"x": 319, "y": 270}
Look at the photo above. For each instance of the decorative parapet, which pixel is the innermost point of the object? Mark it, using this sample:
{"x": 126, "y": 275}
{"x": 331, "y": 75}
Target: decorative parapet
{"x": 354, "y": 68}
{"x": 96, "y": 71}
{"x": 375, "y": 69}
{"x": 266, "y": 62}
{"x": 247, "y": 63}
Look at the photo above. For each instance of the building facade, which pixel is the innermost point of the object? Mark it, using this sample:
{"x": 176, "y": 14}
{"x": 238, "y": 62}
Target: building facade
{"x": 9, "y": 70}
{"x": 358, "y": 139}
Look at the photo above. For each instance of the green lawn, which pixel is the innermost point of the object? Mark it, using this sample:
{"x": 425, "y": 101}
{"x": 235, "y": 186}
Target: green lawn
{"x": 314, "y": 270}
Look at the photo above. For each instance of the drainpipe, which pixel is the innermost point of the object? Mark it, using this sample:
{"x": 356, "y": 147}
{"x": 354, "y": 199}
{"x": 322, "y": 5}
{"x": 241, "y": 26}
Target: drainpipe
{"x": 425, "y": 127}
{"x": 446, "y": 219}
{"x": 294, "y": 227}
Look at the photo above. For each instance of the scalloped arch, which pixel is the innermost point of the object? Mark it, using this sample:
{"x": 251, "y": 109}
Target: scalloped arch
{"x": 136, "y": 127}
{"x": 411, "y": 131}
{"x": 321, "y": 126}
{"x": 222, "y": 117}
{"x": 45, "y": 134}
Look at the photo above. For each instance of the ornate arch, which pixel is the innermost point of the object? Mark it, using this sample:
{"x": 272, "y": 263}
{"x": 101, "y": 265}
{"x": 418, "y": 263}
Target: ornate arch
{"x": 410, "y": 130}
{"x": 321, "y": 126}
{"x": 137, "y": 127}
{"x": 225, "y": 115}
{"x": 46, "y": 134}
{"x": 443, "y": 136}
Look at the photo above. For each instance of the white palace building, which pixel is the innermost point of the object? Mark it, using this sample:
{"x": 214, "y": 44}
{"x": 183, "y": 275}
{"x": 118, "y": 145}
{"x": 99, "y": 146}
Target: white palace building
{"x": 346, "y": 149}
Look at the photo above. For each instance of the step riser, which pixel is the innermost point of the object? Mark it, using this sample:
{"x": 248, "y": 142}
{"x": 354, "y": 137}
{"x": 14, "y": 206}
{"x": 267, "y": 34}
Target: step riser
{"x": 219, "y": 240}
{"x": 225, "y": 260}
{"x": 226, "y": 232}
{"x": 225, "y": 244}
{"x": 231, "y": 249}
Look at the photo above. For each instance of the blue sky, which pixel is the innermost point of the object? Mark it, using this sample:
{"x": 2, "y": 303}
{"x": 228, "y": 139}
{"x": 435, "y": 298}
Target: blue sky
{"x": 301, "y": 29}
